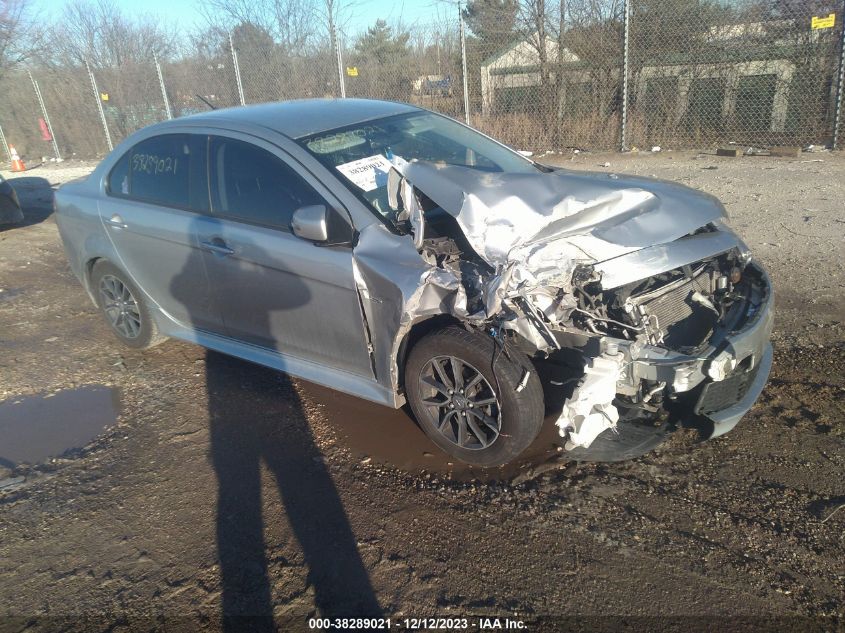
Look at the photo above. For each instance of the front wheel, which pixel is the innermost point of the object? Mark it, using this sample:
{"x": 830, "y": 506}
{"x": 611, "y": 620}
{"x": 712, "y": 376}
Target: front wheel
{"x": 478, "y": 403}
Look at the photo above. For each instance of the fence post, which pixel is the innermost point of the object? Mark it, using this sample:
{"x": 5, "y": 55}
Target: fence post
{"x": 837, "y": 117}
{"x": 99, "y": 105}
{"x": 163, "y": 91}
{"x": 623, "y": 134}
{"x": 237, "y": 70}
{"x": 464, "y": 60}
{"x": 5, "y": 144}
{"x": 341, "y": 81}
{"x": 46, "y": 117}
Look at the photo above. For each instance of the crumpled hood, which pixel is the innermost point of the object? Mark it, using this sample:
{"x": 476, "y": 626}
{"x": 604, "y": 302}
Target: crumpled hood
{"x": 602, "y": 215}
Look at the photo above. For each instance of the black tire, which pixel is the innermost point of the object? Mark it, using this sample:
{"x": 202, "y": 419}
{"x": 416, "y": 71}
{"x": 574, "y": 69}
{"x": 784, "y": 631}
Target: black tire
{"x": 145, "y": 332}
{"x": 519, "y": 403}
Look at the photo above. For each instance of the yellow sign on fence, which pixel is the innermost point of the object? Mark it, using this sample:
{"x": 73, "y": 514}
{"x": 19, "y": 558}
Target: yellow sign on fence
{"x": 824, "y": 22}
{"x": 352, "y": 71}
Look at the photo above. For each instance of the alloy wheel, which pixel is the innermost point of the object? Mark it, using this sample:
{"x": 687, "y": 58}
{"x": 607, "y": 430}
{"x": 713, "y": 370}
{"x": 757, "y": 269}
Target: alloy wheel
{"x": 120, "y": 306}
{"x": 460, "y": 401}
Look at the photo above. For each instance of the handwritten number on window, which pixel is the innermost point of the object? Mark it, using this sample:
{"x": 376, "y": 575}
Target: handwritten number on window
{"x": 154, "y": 165}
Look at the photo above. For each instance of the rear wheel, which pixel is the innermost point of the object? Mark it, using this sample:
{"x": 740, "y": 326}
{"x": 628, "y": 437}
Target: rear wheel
{"x": 123, "y": 307}
{"x": 479, "y": 404}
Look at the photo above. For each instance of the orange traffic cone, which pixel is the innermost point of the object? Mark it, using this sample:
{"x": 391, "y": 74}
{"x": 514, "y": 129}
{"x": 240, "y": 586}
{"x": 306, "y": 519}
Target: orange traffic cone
{"x": 17, "y": 163}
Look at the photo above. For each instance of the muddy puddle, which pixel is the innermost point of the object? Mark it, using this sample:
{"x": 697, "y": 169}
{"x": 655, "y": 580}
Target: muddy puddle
{"x": 391, "y": 437}
{"x": 36, "y": 428}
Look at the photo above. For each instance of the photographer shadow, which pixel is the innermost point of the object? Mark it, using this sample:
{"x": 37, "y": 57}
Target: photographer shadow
{"x": 256, "y": 417}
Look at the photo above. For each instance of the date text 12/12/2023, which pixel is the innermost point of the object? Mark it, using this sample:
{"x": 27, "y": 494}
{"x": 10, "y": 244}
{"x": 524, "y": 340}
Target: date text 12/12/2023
{"x": 480, "y": 623}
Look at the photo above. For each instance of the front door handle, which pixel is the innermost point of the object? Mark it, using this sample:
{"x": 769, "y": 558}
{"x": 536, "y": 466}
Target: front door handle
{"x": 217, "y": 246}
{"x": 116, "y": 221}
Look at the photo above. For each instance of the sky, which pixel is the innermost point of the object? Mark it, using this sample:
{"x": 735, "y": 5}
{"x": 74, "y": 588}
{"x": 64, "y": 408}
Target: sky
{"x": 364, "y": 12}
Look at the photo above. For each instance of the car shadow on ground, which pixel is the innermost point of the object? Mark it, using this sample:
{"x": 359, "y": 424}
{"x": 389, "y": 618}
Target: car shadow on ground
{"x": 36, "y": 199}
{"x": 256, "y": 418}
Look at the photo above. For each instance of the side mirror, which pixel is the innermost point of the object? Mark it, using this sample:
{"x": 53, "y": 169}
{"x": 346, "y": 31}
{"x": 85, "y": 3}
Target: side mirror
{"x": 311, "y": 223}
{"x": 322, "y": 226}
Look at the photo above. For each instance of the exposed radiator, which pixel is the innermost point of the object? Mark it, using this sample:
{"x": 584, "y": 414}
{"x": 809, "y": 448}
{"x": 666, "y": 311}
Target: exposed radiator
{"x": 684, "y": 322}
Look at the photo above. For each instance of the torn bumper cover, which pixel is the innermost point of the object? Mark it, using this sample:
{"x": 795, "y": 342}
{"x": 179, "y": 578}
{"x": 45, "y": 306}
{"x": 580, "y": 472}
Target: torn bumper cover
{"x": 725, "y": 378}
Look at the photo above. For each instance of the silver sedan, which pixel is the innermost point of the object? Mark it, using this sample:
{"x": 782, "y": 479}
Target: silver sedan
{"x": 392, "y": 253}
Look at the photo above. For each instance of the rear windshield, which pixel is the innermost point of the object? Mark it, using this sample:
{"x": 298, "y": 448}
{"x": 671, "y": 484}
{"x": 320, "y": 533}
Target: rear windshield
{"x": 361, "y": 155}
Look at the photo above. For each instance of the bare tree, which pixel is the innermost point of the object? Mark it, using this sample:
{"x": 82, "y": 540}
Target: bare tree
{"x": 291, "y": 23}
{"x": 209, "y": 43}
{"x": 119, "y": 48}
{"x": 20, "y": 33}
{"x": 535, "y": 22}
{"x": 296, "y": 25}
{"x": 99, "y": 32}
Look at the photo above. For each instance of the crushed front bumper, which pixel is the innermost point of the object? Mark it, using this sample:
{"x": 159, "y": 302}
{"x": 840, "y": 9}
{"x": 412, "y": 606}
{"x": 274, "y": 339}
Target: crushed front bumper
{"x": 727, "y": 377}
{"x": 742, "y": 389}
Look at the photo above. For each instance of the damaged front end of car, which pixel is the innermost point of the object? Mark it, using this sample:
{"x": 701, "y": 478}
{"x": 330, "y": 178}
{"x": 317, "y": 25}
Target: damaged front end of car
{"x": 636, "y": 287}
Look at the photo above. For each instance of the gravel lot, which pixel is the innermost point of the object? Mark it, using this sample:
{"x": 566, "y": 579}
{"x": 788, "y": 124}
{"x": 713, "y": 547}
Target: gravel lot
{"x": 220, "y": 487}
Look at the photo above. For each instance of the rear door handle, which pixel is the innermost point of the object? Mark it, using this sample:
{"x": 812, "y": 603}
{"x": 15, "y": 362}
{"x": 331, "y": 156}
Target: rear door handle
{"x": 116, "y": 221}
{"x": 217, "y": 246}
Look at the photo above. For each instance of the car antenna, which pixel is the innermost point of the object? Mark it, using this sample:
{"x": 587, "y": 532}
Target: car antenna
{"x": 205, "y": 101}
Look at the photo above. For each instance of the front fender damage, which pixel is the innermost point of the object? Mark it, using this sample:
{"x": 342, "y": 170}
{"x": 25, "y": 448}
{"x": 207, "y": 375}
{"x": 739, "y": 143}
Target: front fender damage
{"x": 398, "y": 288}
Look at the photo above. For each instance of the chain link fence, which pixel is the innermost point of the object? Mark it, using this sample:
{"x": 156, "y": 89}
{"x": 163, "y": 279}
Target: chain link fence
{"x": 423, "y": 68}
{"x": 551, "y": 90}
{"x": 597, "y": 74}
{"x": 749, "y": 72}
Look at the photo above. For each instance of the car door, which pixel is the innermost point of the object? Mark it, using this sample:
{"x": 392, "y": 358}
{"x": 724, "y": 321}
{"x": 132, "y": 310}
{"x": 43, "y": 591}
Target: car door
{"x": 155, "y": 194}
{"x": 274, "y": 289}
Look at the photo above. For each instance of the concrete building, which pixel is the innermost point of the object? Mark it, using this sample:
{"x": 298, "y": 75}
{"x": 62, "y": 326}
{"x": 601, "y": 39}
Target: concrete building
{"x": 750, "y": 83}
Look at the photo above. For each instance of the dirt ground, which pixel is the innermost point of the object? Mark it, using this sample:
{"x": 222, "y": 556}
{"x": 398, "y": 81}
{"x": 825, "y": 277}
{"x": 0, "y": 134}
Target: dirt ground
{"x": 223, "y": 488}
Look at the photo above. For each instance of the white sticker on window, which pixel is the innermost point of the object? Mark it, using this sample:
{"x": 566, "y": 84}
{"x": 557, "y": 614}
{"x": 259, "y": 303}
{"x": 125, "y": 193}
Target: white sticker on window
{"x": 367, "y": 173}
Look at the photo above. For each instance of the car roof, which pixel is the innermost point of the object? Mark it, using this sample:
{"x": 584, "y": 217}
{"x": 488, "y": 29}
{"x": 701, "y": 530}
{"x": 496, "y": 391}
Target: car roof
{"x": 302, "y": 117}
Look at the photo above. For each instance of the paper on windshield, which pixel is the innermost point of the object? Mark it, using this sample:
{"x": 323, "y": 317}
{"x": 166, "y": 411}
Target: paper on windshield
{"x": 367, "y": 173}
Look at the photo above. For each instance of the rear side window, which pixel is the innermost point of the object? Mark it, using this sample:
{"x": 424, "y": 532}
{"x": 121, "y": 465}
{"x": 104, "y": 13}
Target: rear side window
{"x": 119, "y": 177}
{"x": 250, "y": 184}
{"x": 156, "y": 170}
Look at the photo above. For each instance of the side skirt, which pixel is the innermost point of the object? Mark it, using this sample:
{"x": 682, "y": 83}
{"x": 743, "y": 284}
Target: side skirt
{"x": 336, "y": 379}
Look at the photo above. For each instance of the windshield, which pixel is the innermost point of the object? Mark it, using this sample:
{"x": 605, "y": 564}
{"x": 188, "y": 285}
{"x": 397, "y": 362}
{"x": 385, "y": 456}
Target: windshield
{"x": 361, "y": 154}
